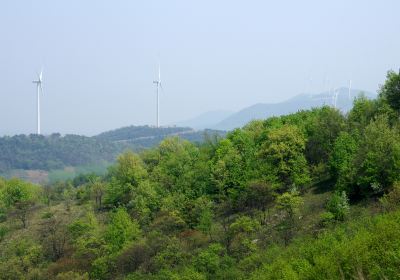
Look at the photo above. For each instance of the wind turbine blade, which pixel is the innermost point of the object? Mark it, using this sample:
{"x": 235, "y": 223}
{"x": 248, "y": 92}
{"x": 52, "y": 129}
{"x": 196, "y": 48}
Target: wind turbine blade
{"x": 41, "y": 88}
{"x": 161, "y": 87}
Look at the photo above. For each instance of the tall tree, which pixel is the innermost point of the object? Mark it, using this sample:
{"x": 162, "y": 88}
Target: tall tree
{"x": 283, "y": 154}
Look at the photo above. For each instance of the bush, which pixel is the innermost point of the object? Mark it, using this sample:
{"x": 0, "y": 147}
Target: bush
{"x": 391, "y": 200}
{"x": 339, "y": 205}
{"x": 326, "y": 218}
{"x": 3, "y": 232}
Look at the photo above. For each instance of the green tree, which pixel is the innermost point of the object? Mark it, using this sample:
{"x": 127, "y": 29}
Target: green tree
{"x": 126, "y": 175}
{"x": 227, "y": 170}
{"x": 121, "y": 230}
{"x": 176, "y": 167}
{"x": 19, "y": 197}
{"x": 242, "y": 236}
{"x": 145, "y": 202}
{"x": 283, "y": 154}
{"x": 342, "y": 161}
{"x": 322, "y": 131}
{"x": 378, "y": 157}
{"x": 203, "y": 215}
{"x": 129, "y": 169}
{"x": 339, "y": 205}
{"x": 390, "y": 91}
{"x": 212, "y": 260}
{"x": 288, "y": 203}
{"x": 98, "y": 189}
{"x": 260, "y": 196}
{"x": 364, "y": 110}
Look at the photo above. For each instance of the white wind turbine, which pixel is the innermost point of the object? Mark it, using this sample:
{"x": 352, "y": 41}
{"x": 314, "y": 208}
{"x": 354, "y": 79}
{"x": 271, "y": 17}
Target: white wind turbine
{"x": 335, "y": 93}
{"x": 158, "y": 86}
{"x": 349, "y": 89}
{"x": 39, "y": 87}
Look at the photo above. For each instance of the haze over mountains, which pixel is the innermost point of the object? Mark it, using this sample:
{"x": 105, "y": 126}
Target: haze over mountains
{"x": 56, "y": 152}
{"x": 222, "y": 120}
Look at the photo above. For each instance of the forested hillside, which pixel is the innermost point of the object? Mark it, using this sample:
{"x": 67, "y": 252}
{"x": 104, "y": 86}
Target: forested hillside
{"x": 38, "y": 152}
{"x": 310, "y": 195}
{"x": 138, "y": 132}
{"x": 53, "y": 152}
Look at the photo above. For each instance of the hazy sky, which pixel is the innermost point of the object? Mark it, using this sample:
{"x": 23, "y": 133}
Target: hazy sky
{"x": 100, "y": 57}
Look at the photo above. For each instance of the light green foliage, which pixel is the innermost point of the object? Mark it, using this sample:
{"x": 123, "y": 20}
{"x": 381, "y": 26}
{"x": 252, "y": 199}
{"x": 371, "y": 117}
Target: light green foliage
{"x": 203, "y": 214}
{"x": 186, "y": 273}
{"x": 341, "y": 161}
{"x": 97, "y": 189}
{"x": 175, "y": 168}
{"x": 121, "y": 230}
{"x": 243, "y": 142}
{"x": 16, "y": 191}
{"x": 171, "y": 256}
{"x": 339, "y": 205}
{"x": 378, "y": 158}
{"x": 126, "y": 175}
{"x": 68, "y": 195}
{"x": 212, "y": 260}
{"x": 129, "y": 169}
{"x": 227, "y": 172}
{"x": 288, "y": 203}
{"x": 18, "y": 197}
{"x": 169, "y": 222}
{"x": 283, "y": 154}
{"x": 243, "y": 236}
{"x": 72, "y": 275}
{"x": 145, "y": 202}
{"x": 19, "y": 259}
{"x": 327, "y": 218}
{"x": 368, "y": 249}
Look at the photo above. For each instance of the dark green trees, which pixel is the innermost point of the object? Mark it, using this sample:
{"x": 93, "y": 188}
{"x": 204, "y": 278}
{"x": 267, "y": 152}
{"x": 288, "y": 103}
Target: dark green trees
{"x": 390, "y": 91}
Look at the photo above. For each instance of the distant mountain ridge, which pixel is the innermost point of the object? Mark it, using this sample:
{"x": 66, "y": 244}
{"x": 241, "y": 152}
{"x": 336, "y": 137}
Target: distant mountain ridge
{"x": 141, "y": 137}
{"x": 135, "y": 132}
{"x": 344, "y": 103}
{"x": 206, "y": 120}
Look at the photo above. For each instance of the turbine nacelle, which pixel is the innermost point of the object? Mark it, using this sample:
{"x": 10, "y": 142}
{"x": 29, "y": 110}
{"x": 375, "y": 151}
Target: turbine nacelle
{"x": 40, "y": 78}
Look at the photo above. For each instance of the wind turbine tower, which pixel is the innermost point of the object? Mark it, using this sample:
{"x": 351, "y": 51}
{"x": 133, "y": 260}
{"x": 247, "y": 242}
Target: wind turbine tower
{"x": 158, "y": 86}
{"x": 349, "y": 89}
{"x": 39, "y": 88}
{"x": 336, "y": 92}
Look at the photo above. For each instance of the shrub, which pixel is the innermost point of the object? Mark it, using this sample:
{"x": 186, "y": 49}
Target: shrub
{"x": 391, "y": 200}
{"x": 339, "y": 205}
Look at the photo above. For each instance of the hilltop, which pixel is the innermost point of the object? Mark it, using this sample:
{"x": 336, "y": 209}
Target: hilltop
{"x": 65, "y": 156}
{"x": 223, "y": 120}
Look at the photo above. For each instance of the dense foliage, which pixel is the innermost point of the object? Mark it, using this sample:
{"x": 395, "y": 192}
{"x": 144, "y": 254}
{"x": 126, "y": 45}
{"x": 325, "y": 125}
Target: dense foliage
{"x": 38, "y": 152}
{"x": 53, "y": 152}
{"x": 311, "y": 195}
